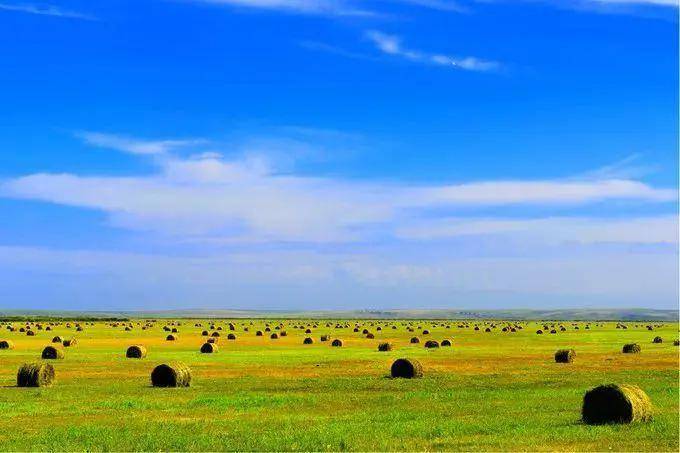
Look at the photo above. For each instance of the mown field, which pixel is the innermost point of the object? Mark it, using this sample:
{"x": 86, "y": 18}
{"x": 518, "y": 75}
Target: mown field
{"x": 489, "y": 391}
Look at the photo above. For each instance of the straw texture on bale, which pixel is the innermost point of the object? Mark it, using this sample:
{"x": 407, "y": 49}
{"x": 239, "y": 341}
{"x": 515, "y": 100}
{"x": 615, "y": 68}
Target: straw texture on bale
{"x": 614, "y": 403}
{"x": 174, "y": 374}
{"x": 209, "y": 348}
{"x": 431, "y": 344}
{"x": 632, "y": 348}
{"x": 6, "y": 344}
{"x": 308, "y": 340}
{"x": 337, "y": 343}
{"x": 657, "y": 340}
{"x": 36, "y": 374}
{"x": 136, "y": 351}
{"x": 415, "y": 340}
{"x": 69, "y": 343}
{"x": 385, "y": 347}
{"x": 565, "y": 356}
{"x": 406, "y": 368}
{"x": 446, "y": 343}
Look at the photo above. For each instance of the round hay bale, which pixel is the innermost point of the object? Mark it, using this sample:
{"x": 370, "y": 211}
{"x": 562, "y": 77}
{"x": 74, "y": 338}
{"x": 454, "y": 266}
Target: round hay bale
{"x": 69, "y": 343}
{"x": 170, "y": 337}
{"x": 406, "y": 368}
{"x": 231, "y": 336}
{"x": 136, "y": 351}
{"x": 539, "y": 332}
{"x": 6, "y": 344}
{"x": 30, "y": 333}
{"x": 209, "y": 348}
{"x": 258, "y": 333}
{"x": 614, "y": 403}
{"x": 337, "y": 343}
{"x": 370, "y": 336}
{"x": 415, "y": 340}
{"x": 215, "y": 334}
{"x": 274, "y": 336}
{"x": 446, "y": 343}
{"x": 57, "y": 339}
{"x": 431, "y": 344}
{"x": 565, "y": 356}
{"x": 308, "y": 340}
{"x": 36, "y": 374}
{"x": 174, "y": 374}
{"x": 487, "y": 330}
{"x": 426, "y": 332}
{"x": 385, "y": 347}
{"x": 212, "y": 340}
{"x": 283, "y": 333}
{"x": 632, "y": 348}
{"x": 51, "y": 353}
{"x": 205, "y": 333}
{"x": 325, "y": 337}
{"x": 676, "y": 343}
{"x": 657, "y": 340}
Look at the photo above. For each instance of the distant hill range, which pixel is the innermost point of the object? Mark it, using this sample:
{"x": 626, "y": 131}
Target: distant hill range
{"x": 628, "y": 314}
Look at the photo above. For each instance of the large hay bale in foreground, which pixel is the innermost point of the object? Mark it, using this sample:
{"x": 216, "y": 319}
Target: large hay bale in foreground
{"x": 6, "y": 344}
{"x": 136, "y": 351}
{"x": 36, "y": 374}
{"x": 632, "y": 348}
{"x": 51, "y": 353}
{"x": 614, "y": 403}
{"x": 406, "y": 368}
{"x": 209, "y": 348}
{"x": 174, "y": 374}
{"x": 565, "y": 356}
{"x": 385, "y": 347}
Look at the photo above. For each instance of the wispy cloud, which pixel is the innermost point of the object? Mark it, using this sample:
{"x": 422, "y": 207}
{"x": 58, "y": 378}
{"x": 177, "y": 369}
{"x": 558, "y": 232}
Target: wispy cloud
{"x": 248, "y": 199}
{"x": 311, "y": 7}
{"x": 667, "y": 3}
{"x": 392, "y": 45}
{"x": 133, "y": 145}
{"x": 44, "y": 10}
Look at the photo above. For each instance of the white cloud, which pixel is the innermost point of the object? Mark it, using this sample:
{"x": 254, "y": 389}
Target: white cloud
{"x": 552, "y": 230}
{"x": 208, "y": 197}
{"x": 315, "y": 7}
{"x": 391, "y": 45}
{"x": 44, "y": 10}
{"x": 134, "y": 146}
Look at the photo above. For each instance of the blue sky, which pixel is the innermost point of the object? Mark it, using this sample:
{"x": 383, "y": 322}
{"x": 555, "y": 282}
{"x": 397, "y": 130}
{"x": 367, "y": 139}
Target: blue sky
{"x": 336, "y": 154}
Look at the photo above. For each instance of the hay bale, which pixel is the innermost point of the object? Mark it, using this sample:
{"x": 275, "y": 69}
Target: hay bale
{"x": 370, "y": 336}
{"x": 51, "y": 353}
{"x": 632, "y": 348}
{"x": 385, "y": 347}
{"x": 36, "y": 374}
{"x": 30, "y": 333}
{"x": 308, "y": 340}
{"x": 57, "y": 339}
{"x": 676, "y": 343}
{"x": 6, "y": 344}
{"x": 174, "y": 374}
{"x": 430, "y": 344}
{"x": 258, "y": 333}
{"x": 406, "y": 368}
{"x": 69, "y": 343}
{"x": 212, "y": 340}
{"x": 487, "y": 330}
{"x": 231, "y": 336}
{"x": 446, "y": 343}
{"x": 325, "y": 337}
{"x": 209, "y": 348}
{"x": 136, "y": 351}
{"x": 170, "y": 337}
{"x": 565, "y": 356}
{"x": 205, "y": 333}
{"x": 215, "y": 334}
{"x": 337, "y": 343}
{"x": 415, "y": 340}
{"x": 274, "y": 336}
{"x": 614, "y": 403}
{"x": 657, "y": 340}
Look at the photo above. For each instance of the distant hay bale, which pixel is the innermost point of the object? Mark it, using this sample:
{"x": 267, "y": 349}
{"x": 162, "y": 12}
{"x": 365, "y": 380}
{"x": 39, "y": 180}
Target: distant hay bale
{"x": 565, "y": 356}
{"x": 614, "y": 403}
{"x": 431, "y": 344}
{"x": 325, "y": 337}
{"x": 57, "y": 339}
{"x": 406, "y": 368}
{"x": 488, "y": 329}
{"x": 215, "y": 334}
{"x": 136, "y": 351}
{"x": 283, "y": 333}
{"x": 337, "y": 343}
{"x": 676, "y": 343}
{"x": 415, "y": 340}
{"x": 308, "y": 331}
{"x": 553, "y": 331}
{"x": 370, "y": 336}
{"x": 657, "y": 340}
{"x": 36, "y": 374}
{"x": 52, "y": 353}
{"x": 30, "y": 333}
{"x": 274, "y": 336}
{"x": 446, "y": 343}
{"x": 426, "y": 332}
{"x": 205, "y": 333}
{"x": 385, "y": 347}
{"x": 212, "y": 340}
{"x": 174, "y": 374}
{"x": 170, "y": 337}
{"x": 209, "y": 348}
{"x": 6, "y": 344}
{"x": 539, "y": 332}
{"x": 231, "y": 336}
{"x": 70, "y": 342}
{"x": 258, "y": 333}
{"x": 632, "y": 348}
{"x": 308, "y": 340}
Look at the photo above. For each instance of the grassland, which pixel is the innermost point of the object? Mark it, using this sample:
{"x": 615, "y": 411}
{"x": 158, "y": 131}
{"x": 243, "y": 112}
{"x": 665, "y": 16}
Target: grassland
{"x": 489, "y": 391}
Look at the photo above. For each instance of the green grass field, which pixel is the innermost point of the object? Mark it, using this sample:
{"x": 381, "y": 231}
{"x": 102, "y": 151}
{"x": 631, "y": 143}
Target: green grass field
{"x": 489, "y": 391}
